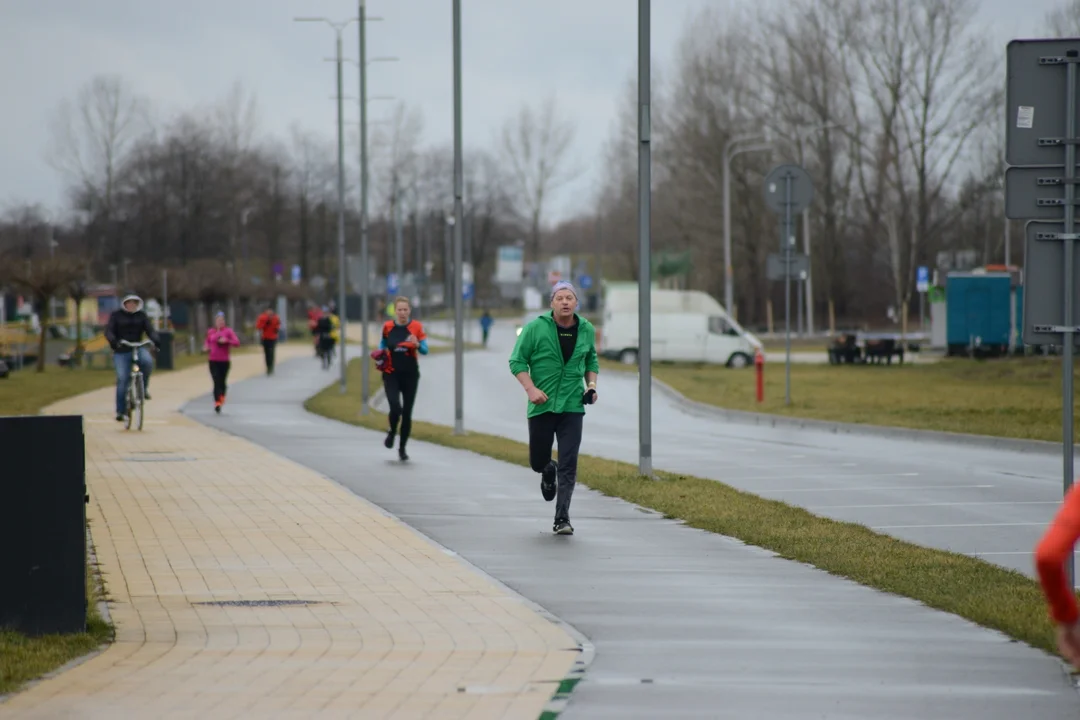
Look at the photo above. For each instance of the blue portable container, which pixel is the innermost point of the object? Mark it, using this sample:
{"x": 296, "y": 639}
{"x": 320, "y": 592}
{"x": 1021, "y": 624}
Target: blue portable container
{"x": 978, "y": 316}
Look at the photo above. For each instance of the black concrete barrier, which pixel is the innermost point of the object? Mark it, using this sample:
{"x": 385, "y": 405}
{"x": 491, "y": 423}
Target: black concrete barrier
{"x": 43, "y": 524}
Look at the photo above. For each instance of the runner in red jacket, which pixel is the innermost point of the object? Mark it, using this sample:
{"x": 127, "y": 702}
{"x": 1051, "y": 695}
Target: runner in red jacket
{"x": 268, "y": 325}
{"x": 1050, "y": 556}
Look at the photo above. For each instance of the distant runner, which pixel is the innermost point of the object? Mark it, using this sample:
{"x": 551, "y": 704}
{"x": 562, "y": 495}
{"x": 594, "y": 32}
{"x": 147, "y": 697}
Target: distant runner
{"x": 220, "y": 339}
{"x": 553, "y": 359}
{"x": 269, "y": 325}
{"x": 404, "y": 340}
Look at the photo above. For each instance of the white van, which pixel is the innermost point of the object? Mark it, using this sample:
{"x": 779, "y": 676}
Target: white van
{"x": 687, "y": 326}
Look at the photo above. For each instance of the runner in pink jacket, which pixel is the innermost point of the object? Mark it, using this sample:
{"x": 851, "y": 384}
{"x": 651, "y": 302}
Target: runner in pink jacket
{"x": 220, "y": 339}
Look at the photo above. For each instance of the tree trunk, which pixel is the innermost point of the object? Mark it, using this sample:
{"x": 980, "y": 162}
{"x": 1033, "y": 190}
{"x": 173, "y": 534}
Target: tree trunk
{"x": 77, "y": 359}
{"x": 41, "y": 339}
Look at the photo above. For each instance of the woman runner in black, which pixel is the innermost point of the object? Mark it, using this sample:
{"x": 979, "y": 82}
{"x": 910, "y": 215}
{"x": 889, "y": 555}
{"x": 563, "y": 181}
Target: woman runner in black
{"x": 405, "y": 340}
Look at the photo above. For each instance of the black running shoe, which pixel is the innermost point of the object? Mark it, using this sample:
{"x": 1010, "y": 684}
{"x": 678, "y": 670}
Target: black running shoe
{"x": 389, "y": 441}
{"x": 547, "y": 481}
{"x": 562, "y": 527}
{"x": 119, "y": 417}
{"x": 402, "y": 454}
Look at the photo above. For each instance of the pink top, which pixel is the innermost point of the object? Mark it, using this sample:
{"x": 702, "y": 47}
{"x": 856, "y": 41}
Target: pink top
{"x": 219, "y": 351}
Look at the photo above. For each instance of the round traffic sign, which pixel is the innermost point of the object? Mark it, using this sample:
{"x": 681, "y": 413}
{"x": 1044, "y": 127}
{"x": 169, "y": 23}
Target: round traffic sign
{"x": 802, "y": 189}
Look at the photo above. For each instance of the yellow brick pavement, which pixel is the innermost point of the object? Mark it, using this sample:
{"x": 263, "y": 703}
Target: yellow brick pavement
{"x": 182, "y": 514}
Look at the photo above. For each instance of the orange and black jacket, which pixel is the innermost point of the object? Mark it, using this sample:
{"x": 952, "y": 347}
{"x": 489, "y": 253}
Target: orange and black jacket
{"x": 1050, "y": 556}
{"x": 404, "y": 355}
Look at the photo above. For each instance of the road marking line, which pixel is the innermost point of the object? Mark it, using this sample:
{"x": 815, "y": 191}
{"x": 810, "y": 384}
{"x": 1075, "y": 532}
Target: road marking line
{"x": 938, "y": 504}
{"x": 878, "y": 487}
{"x": 958, "y": 525}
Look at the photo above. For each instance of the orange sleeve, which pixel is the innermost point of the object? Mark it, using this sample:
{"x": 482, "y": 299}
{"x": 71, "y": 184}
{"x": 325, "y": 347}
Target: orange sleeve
{"x": 418, "y": 330}
{"x": 387, "y": 327}
{"x": 1050, "y": 556}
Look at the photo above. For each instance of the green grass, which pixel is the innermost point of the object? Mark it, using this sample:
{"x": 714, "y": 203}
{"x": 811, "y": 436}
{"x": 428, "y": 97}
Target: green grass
{"x": 1014, "y": 398}
{"x": 23, "y": 658}
{"x": 971, "y": 588}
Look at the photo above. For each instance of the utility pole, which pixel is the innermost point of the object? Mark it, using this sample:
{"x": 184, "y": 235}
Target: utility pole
{"x": 459, "y": 309}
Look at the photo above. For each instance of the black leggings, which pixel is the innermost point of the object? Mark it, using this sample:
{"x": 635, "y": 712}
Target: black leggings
{"x": 219, "y": 370}
{"x": 401, "y": 394}
{"x": 544, "y": 429}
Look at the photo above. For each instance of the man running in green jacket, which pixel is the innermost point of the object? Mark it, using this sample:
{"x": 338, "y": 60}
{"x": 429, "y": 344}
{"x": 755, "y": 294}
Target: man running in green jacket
{"x": 553, "y": 359}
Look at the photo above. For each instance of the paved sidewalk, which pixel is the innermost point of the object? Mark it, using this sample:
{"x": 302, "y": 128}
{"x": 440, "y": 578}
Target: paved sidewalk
{"x": 684, "y": 623}
{"x": 182, "y": 515}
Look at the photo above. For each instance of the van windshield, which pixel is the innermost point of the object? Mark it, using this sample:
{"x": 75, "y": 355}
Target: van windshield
{"x": 720, "y": 326}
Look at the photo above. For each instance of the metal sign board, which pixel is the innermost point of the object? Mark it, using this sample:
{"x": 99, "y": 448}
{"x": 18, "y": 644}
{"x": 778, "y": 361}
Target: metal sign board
{"x": 1035, "y": 101}
{"x": 585, "y": 281}
{"x": 922, "y": 279}
{"x": 798, "y": 265}
{"x": 802, "y": 189}
{"x": 1035, "y": 193}
{"x": 391, "y": 284}
{"x": 1043, "y": 300}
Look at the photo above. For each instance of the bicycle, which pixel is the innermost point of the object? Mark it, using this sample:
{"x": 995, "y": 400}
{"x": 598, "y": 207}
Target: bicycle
{"x": 136, "y": 387}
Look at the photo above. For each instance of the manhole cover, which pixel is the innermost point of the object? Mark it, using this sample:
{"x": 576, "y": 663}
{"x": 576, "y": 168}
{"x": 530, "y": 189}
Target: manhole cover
{"x": 257, "y": 603}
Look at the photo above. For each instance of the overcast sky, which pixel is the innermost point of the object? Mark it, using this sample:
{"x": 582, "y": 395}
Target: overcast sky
{"x": 186, "y": 54}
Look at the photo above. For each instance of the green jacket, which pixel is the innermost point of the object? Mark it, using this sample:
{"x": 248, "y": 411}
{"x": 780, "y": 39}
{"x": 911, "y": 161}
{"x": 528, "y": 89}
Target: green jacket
{"x": 538, "y": 353}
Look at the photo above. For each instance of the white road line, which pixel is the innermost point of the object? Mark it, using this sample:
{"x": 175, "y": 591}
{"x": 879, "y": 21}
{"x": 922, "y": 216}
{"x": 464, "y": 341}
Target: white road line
{"x": 939, "y": 504}
{"x": 1030, "y": 552}
{"x": 830, "y": 476}
{"x": 878, "y": 487}
{"x": 958, "y": 525}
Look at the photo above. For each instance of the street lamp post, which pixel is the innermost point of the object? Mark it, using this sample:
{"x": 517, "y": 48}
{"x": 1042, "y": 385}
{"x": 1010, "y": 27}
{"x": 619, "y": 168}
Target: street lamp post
{"x": 365, "y": 272}
{"x": 342, "y": 315}
{"x": 459, "y": 308}
{"x": 729, "y": 154}
{"x": 644, "y": 239}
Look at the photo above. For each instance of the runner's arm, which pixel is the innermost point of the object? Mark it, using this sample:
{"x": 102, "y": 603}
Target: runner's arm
{"x": 1050, "y": 555}
{"x": 520, "y": 357}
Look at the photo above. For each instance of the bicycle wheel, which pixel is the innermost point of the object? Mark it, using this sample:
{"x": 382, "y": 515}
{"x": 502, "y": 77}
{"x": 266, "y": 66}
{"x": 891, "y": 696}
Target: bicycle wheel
{"x": 130, "y": 405}
{"x": 139, "y": 393}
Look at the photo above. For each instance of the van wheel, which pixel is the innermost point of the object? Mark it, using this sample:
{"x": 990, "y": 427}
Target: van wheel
{"x": 628, "y": 357}
{"x": 738, "y": 360}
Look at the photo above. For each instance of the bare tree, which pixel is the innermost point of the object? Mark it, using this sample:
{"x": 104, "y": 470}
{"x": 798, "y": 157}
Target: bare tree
{"x": 43, "y": 278}
{"x": 536, "y": 145}
{"x": 1064, "y": 20}
{"x": 91, "y": 139}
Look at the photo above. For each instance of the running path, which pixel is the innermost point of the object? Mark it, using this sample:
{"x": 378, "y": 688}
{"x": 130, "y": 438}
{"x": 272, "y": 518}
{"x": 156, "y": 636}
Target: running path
{"x": 182, "y": 515}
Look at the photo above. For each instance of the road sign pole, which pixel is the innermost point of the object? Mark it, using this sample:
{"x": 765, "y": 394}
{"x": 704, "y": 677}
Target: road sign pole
{"x": 787, "y": 289}
{"x": 645, "y": 240}
{"x": 1070, "y": 249}
{"x": 459, "y": 220}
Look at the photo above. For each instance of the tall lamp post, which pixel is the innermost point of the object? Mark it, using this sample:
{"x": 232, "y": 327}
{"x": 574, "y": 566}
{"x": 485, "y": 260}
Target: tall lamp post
{"x": 730, "y": 152}
{"x": 365, "y": 273}
{"x": 338, "y": 27}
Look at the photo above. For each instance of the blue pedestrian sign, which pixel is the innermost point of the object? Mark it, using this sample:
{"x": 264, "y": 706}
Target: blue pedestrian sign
{"x": 585, "y": 281}
{"x": 391, "y": 284}
{"x": 467, "y": 291}
{"x": 922, "y": 279}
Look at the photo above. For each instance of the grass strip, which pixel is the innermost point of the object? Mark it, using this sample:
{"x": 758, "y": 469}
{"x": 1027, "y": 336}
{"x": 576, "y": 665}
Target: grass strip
{"x": 987, "y": 594}
{"x": 1013, "y": 398}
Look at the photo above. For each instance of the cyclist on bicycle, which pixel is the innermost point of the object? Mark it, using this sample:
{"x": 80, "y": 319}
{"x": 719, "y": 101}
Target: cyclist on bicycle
{"x": 129, "y": 322}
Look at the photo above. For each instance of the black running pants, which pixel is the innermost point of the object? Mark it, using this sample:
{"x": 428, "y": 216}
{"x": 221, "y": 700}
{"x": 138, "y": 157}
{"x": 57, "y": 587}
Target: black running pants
{"x": 544, "y": 429}
{"x": 401, "y": 394}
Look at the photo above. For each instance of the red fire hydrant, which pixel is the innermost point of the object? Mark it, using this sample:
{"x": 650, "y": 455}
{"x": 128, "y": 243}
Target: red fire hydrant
{"x": 759, "y": 372}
